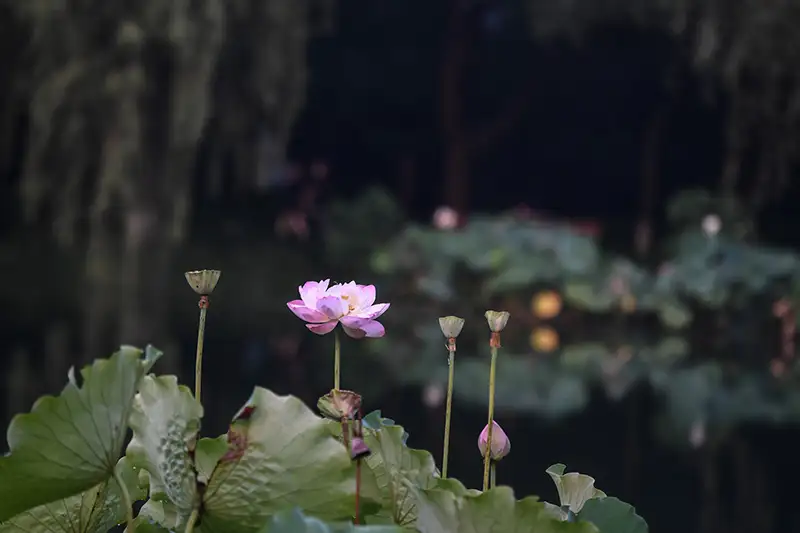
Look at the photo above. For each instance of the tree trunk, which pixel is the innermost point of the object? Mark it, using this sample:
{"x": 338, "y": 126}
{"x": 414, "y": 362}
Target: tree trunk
{"x": 734, "y": 148}
{"x": 457, "y": 176}
{"x": 456, "y": 156}
{"x": 650, "y": 175}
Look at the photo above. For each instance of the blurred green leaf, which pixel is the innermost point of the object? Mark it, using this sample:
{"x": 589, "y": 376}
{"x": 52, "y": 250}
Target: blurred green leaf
{"x": 611, "y": 515}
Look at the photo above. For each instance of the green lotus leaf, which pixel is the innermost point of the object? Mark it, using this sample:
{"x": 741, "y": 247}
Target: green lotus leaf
{"x": 515, "y": 277}
{"x": 574, "y": 489}
{"x": 165, "y": 421}
{"x": 207, "y": 455}
{"x": 674, "y": 314}
{"x": 556, "y": 511}
{"x": 442, "y": 511}
{"x": 294, "y": 521}
{"x": 93, "y": 511}
{"x": 144, "y": 525}
{"x": 160, "y": 513}
{"x": 375, "y": 421}
{"x": 392, "y": 469}
{"x": 71, "y": 443}
{"x": 585, "y": 295}
{"x": 611, "y": 515}
{"x": 455, "y": 486}
{"x": 280, "y": 454}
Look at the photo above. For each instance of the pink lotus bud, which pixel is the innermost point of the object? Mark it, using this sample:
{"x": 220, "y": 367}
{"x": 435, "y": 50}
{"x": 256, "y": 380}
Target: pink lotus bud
{"x": 501, "y": 444}
{"x": 359, "y": 449}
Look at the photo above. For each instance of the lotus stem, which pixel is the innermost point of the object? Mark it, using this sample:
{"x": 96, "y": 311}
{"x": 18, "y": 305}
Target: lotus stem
{"x": 346, "y": 434}
{"x": 192, "y": 520}
{"x": 198, "y": 362}
{"x": 126, "y": 499}
{"x": 451, "y": 362}
{"x": 359, "y": 431}
{"x": 358, "y": 489}
{"x": 493, "y": 475}
{"x": 337, "y": 358}
{"x": 487, "y": 459}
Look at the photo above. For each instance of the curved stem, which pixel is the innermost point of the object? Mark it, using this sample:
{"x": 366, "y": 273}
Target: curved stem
{"x": 337, "y": 356}
{"x": 451, "y": 361}
{"x": 126, "y": 499}
{"x": 487, "y": 459}
{"x": 493, "y": 475}
{"x": 198, "y": 362}
{"x": 192, "y": 520}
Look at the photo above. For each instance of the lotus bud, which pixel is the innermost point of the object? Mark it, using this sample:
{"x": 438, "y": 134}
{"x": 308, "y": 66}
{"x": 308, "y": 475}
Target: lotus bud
{"x": 451, "y": 326}
{"x": 359, "y": 449}
{"x": 203, "y": 282}
{"x": 501, "y": 444}
{"x": 339, "y": 404}
{"x": 497, "y": 320}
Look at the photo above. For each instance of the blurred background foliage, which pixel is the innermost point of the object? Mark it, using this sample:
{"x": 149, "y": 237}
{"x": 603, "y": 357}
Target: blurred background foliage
{"x": 583, "y": 317}
{"x": 619, "y": 175}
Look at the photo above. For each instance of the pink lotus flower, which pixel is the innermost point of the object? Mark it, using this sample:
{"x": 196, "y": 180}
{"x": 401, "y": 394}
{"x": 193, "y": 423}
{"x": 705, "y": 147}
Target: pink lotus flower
{"x": 349, "y": 303}
{"x": 501, "y": 444}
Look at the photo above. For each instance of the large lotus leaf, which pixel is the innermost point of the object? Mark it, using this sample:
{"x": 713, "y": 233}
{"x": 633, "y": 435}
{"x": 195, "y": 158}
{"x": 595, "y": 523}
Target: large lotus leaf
{"x": 673, "y": 313}
{"x": 93, "y": 511}
{"x": 160, "y": 513}
{"x": 584, "y": 294}
{"x": 577, "y": 255}
{"x": 165, "y": 421}
{"x": 512, "y": 278}
{"x": 574, "y": 489}
{"x": 71, "y": 443}
{"x": 442, "y": 511}
{"x": 144, "y": 525}
{"x": 584, "y": 358}
{"x": 293, "y": 521}
{"x": 392, "y": 469}
{"x": 666, "y": 353}
{"x": 375, "y": 421}
{"x": 280, "y": 454}
{"x": 207, "y": 456}
{"x": 611, "y": 515}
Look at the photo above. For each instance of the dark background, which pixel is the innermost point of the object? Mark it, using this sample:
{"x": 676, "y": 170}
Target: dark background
{"x": 131, "y": 151}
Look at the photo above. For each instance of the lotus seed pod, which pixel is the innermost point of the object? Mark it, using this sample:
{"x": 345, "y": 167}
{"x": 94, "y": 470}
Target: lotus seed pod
{"x": 451, "y": 326}
{"x": 203, "y": 282}
{"x": 497, "y": 320}
{"x": 338, "y": 404}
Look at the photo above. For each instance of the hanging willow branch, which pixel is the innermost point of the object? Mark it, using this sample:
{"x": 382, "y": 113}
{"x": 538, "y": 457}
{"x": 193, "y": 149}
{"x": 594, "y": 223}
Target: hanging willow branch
{"x": 242, "y": 61}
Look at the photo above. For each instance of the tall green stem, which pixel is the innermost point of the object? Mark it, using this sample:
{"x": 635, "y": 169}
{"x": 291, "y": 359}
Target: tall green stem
{"x": 126, "y": 500}
{"x": 451, "y": 362}
{"x": 192, "y": 520}
{"x": 487, "y": 459}
{"x": 337, "y": 358}
{"x": 198, "y": 361}
{"x": 493, "y": 475}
